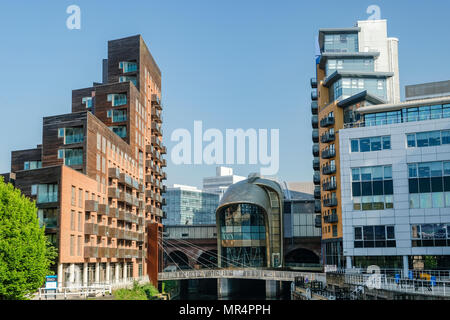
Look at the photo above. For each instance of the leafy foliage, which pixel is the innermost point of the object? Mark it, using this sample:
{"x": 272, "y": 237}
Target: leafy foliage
{"x": 138, "y": 292}
{"x": 25, "y": 252}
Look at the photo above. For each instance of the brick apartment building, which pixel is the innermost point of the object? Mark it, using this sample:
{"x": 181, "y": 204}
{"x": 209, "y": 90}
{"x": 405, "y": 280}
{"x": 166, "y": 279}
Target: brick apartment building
{"x": 97, "y": 177}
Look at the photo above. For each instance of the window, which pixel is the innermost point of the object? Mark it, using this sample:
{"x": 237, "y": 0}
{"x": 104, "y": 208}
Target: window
{"x": 428, "y": 139}
{"x": 371, "y": 144}
{"x": 72, "y": 220}
{"x": 73, "y": 196}
{"x": 47, "y": 193}
{"x": 430, "y": 235}
{"x": 429, "y": 184}
{"x": 31, "y": 165}
{"x": 374, "y": 237}
{"x": 372, "y": 188}
{"x": 72, "y": 245}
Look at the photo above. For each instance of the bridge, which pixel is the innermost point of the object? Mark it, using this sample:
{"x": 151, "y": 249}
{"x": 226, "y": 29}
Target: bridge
{"x": 255, "y": 274}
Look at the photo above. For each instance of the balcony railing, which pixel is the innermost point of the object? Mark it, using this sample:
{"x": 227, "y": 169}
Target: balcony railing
{"x": 313, "y": 82}
{"x": 315, "y": 135}
{"x": 328, "y": 169}
{"x": 314, "y": 95}
{"x": 314, "y": 107}
{"x": 315, "y": 121}
{"x": 316, "y": 164}
{"x": 113, "y": 192}
{"x": 318, "y": 221}
{"x": 317, "y": 193}
{"x": 114, "y": 173}
{"x": 332, "y": 218}
{"x": 327, "y": 121}
{"x": 316, "y": 178}
{"x": 329, "y": 186}
{"x": 316, "y": 150}
{"x": 327, "y": 137}
{"x": 330, "y": 202}
{"x": 317, "y": 206}
{"x": 90, "y": 205}
{"x": 328, "y": 153}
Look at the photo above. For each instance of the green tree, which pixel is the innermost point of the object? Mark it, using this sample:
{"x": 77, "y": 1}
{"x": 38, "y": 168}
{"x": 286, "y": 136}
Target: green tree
{"x": 25, "y": 252}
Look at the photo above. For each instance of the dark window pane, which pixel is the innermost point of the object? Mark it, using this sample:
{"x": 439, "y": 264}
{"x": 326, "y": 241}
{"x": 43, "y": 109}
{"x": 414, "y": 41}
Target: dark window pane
{"x": 378, "y": 188}
{"x": 390, "y": 243}
{"x": 435, "y": 138}
{"x": 390, "y": 232}
{"x": 380, "y": 244}
{"x": 367, "y": 188}
{"x": 411, "y": 140}
{"x": 388, "y": 187}
{"x": 424, "y": 185}
{"x": 422, "y": 139}
{"x": 369, "y": 244}
{"x": 446, "y": 183}
{"x": 380, "y": 233}
{"x": 375, "y": 144}
{"x": 355, "y": 145}
{"x": 413, "y": 185}
{"x": 368, "y": 233}
{"x": 386, "y": 143}
{"x": 358, "y": 233}
{"x": 437, "y": 184}
{"x": 445, "y": 137}
{"x": 364, "y": 145}
{"x": 358, "y": 244}
{"x": 356, "y": 189}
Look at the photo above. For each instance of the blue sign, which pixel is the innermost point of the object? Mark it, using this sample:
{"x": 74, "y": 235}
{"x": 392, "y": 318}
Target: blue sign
{"x": 433, "y": 281}
{"x": 51, "y": 282}
{"x": 397, "y": 278}
{"x": 410, "y": 274}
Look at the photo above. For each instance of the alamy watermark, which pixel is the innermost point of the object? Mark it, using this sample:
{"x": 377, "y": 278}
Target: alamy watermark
{"x": 74, "y": 20}
{"x": 190, "y": 150}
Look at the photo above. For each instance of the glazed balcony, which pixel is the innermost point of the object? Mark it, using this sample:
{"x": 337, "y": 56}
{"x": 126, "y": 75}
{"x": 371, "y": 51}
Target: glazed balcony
{"x": 313, "y": 82}
{"x": 329, "y": 169}
{"x": 316, "y": 150}
{"x": 317, "y": 192}
{"x": 318, "y": 221}
{"x": 314, "y": 107}
{"x": 330, "y": 202}
{"x": 317, "y": 206}
{"x": 314, "y": 95}
{"x": 316, "y": 178}
{"x": 327, "y": 121}
{"x": 315, "y": 135}
{"x": 329, "y": 186}
{"x": 327, "y": 137}
{"x": 332, "y": 218}
{"x": 315, "y": 121}
{"x": 91, "y": 228}
{"x": 91, "y": 205}
{"x": 328, "y": 153}
{"x": 316, "y": 164}
{"x": 103, "y": 209}
{"x": 113, "y": 192}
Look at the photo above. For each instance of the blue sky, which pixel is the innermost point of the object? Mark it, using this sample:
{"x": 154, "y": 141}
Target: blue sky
{"x": 232, "y": 64}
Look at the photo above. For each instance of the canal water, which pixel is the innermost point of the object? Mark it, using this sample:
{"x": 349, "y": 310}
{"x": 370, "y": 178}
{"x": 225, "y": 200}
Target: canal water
{"x": 206, "y": 289}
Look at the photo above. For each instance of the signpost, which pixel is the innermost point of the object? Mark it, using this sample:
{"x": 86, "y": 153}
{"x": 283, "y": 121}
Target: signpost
{"x": 51, "y": 283}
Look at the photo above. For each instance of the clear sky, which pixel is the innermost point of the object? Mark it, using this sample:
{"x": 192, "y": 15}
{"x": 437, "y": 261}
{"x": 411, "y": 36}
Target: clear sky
{"x": 232, "y": 64}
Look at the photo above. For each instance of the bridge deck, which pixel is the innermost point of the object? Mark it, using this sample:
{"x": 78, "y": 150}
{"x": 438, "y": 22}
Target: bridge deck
{"x": 257, "y": 274}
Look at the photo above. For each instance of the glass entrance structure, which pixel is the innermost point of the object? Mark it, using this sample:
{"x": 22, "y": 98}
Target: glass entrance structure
{"x": 249, "y": 223}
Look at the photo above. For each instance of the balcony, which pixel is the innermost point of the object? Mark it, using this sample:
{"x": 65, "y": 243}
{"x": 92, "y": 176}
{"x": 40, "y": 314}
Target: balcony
{"x": 327, "y": 137}
{"x": 316, "y": 150}
{"x": 163, "y": 150}
{"x": 329, "y": 186}
{"x": 113, "y": 173}
{"x": 328, "y": 169}
{"x": 330, "y": 202}
{"x": 113, "y": 212}
{"x": 113, "y": 192}
{"x": 163, "y": 176}
{"x": 317, "y": 206}
{"x": 315, "y": 135}
{"x": 156, "y": 129}
{"x": 126, "y": 179}
{"x": 317, "y": 192}
{"x": 314, "y": 95}
{"x": 163, "y": 189}
{"x": 90, "y": 252}
{"x": 163, "y": 163}
{"x": 91, "y": 206}
{"x": 327, "y": 121}
{"x": 315, "y": 121}
{"x": 156, "y": 115}
{"x": 316, "y": 164}
{"x": 318, "y": 221}
{"x": 316, "y": 178}
{"x": 313, "y": 82}
{"x": 332, "y": 218}
{"x": 103, "y": 209}
{"x": 314, "y": 107}
{"x": 103, "y": 231}
{"x": 91, "y": 228}
{"x": 328, "y": 153}
{"x": 156, "y": 102}
{"x": 126, "y": 197}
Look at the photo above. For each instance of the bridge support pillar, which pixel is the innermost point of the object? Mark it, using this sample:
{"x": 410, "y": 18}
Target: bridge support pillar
{"x": 273, "y": 288}
{"x": 223, "y": 287}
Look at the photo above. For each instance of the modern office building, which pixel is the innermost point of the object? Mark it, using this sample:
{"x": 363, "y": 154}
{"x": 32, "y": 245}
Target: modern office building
{"x": 395, "y": 181}
{"x": 97, "y": 176}
{"x": 186, "y": 205}
{"x": 357, "y": 66}
{"x": 221, "y": 181}
{"x": 249, "y": 223}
